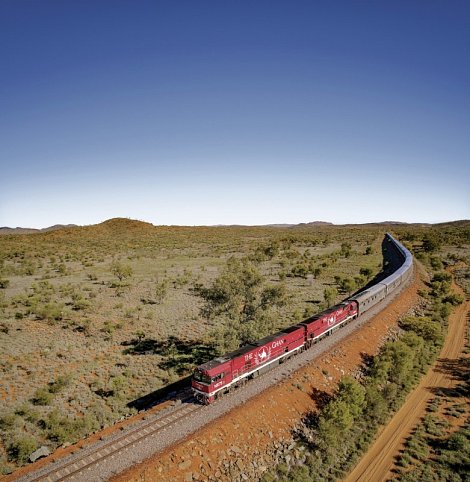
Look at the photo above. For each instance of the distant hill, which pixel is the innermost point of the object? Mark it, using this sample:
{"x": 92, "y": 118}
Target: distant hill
{"x": 314, "y": 224}
{"x": 121, "y": 225}
{"x": 462, "y": 223}
{"x": 18, "y": 230}
{"x": 111, "y": 226}
{"x": 121, "y": 228}
{"x": 124, "y": 227}
{"x": 7, "y": 230}
{"x": 279, "y": 225}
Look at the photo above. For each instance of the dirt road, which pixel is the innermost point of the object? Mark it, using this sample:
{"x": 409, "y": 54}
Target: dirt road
{"x": 247, "y": 440}
{"x": 377, "y": 463}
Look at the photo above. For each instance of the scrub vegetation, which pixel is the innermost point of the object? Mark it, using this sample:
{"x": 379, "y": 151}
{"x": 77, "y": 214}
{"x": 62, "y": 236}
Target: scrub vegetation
{"x": 93, "y": 318}
{"x": 335, "y": 437}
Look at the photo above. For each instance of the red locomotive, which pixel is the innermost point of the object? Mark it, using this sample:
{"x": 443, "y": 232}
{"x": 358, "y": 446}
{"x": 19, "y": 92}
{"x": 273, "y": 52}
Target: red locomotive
{"x": 228, "y": 371}
{"x": 326, "y": 321}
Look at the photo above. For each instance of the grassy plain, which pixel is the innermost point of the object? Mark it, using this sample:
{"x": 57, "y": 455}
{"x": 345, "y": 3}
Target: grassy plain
{"x": 92, "y": 318}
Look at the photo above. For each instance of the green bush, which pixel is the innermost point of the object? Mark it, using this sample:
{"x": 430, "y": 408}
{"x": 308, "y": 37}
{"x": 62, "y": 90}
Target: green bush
{"x": 61, "y": 429}
{"x": 42, "y": 396}
{"x": 454, "y": 299}
{"x": 21, "y": 448}
{"x": 424, "y": 327}
{"x": 4, "y": 283}
{"x": 50, "y": 311}
{"x": 7, "y": 421}
{"x": 60, "y": 383}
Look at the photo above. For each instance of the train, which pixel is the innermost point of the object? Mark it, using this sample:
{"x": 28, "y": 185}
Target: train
{"x": 225, "y": 373}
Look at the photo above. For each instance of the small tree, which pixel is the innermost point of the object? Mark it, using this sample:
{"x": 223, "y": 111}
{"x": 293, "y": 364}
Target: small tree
{"x": 241, "y": 306}
{"x": 431, "y": 242}
{"x": 161, "y": 290}
{"x": 330, "y": 295}
{"x": 348, "y": 285}
{"x": 346, "y": 249}
{"x": 21, "y": 448}
{"x": 121, "y": 271}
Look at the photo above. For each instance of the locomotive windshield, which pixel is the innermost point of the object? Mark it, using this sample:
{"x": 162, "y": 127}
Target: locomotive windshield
{"x": 201, "y": 377}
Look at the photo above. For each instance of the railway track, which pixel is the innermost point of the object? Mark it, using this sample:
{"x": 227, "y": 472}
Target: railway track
{"x": 132, "y": 444}
{"x": 104, "y": 459}
{"x": 87, "y": 464}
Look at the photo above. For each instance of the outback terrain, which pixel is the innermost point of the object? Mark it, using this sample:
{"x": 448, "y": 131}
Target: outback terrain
{"x": 93, "y": 318}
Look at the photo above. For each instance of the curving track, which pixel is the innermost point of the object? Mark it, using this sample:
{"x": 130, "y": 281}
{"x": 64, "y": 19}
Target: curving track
{"x": 121, "y": 450}
{"x": 378, "y": 462}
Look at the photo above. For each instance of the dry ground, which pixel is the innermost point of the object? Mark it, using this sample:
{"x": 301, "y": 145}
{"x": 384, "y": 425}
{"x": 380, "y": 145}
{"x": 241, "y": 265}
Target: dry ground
{"x": 248, "y": 432}
{"x": 90, "y": 343}
{"x": 378, "y": 463}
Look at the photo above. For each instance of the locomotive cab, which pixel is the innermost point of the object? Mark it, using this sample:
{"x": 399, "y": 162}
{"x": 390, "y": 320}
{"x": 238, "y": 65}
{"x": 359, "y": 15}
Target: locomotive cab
{"x": 201, "y": 377}
{"x": 200, "y": 384}
{"x": 209, "y": 379}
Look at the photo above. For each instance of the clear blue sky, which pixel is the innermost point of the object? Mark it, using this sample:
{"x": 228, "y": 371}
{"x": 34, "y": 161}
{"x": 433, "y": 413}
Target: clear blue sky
{"x": 213, "y": 112}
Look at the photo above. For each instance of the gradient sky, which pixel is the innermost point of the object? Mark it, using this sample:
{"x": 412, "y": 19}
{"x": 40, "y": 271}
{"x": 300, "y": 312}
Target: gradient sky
{"x": 248, "y": 112}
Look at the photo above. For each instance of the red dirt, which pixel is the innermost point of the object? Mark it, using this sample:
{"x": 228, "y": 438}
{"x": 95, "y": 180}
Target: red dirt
{"x": 378, "y": 462}
{"x": 270, "y": 417}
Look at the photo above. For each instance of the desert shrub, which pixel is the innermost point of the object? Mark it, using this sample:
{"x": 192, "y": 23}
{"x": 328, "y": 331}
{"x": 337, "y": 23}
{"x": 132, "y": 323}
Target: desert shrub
{"x": 441, "y": 283}
{"x": 436, "y": 263}
{"x": 109, "y": 327}
{"x": 299, "y": 270}
{"x": 300, "y": 474}
{"x": 330, "y": 294}
{"x": 459, "y": 442}
{"x": 441, "y": 311}
{"x": 42, "y": 396}
{"x": 345, "y": 249}
{"x": 5, "y": 469}
{"x": 431, "y": 242}
{"x": 424, "y": 327}
{"x": 28, "y": 412}
{"x": 60, "y": 383}
{"x": 404, "y": 460}
{"x": 4, "y": 283}
{"x": 61, "y": 429}
{"x": 51, "y": 311}
{"x": 454, "y": 299}
{"x": 121, "y": 271}
{"x": 347, "y": 285}
{"x": 8, "y": 421}
{"x": 161, "y": 290}
{"x": 21, "y": 448}
{"x": 45, "y": 395}
{"x": 282, "y": 469}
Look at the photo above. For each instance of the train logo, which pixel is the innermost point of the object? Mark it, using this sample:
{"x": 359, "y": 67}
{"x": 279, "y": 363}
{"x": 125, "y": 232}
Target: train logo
{"x": 263, "y": 355}
{"x": 331, "y": 320}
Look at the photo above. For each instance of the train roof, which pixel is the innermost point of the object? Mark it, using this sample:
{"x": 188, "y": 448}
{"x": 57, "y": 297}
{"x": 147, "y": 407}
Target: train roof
{"x": 368, "y": 292}
{"x": 326, "y": 312}
{"x": 247, "y": 348}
